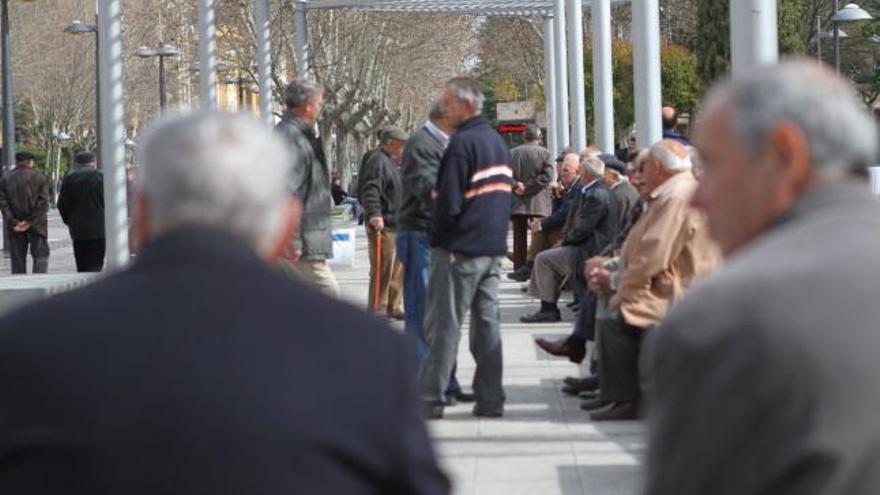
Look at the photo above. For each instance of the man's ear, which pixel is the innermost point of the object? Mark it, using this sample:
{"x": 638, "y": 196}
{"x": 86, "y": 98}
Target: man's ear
{"x": 792, "y": 161}
{"x": 140, "y": 218}
{"x": 290, "y": 219}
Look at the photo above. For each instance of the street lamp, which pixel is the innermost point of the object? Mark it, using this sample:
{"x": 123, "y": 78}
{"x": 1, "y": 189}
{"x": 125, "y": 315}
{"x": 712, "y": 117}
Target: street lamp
{"x": 77, "y": 28}
{"x": 240, "y": 81}
{"x": 849, "y": 13}
{"x": 162, "y": 51}
{"x": 8, "y": 102}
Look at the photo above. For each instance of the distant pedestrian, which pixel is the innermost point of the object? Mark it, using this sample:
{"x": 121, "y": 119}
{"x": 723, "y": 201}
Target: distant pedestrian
{"x": 24, "y": 202}
{"x": 310, "y": 182}
{"x": 670, "y": 126}
{"x": 532, "y": 174}
{"x": 472, "y": 205}
{"x": 81, "y": 205}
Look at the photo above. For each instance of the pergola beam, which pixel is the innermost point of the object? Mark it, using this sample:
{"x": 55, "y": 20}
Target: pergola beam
{"x": 459, "y": 7}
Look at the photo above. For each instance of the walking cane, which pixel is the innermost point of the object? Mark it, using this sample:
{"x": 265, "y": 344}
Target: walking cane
{"x": 378, "y": 287}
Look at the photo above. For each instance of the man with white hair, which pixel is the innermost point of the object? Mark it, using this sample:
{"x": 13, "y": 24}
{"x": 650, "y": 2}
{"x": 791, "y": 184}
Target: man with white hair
{"x": 592, "y": 224}
{"x": 666, "y": 250}
{"x": 764, "y": 380}
{"x": 201, "y": 369}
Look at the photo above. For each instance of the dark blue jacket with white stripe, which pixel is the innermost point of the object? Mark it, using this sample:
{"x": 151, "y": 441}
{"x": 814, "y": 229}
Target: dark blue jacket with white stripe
{"x": 472, "y": 199}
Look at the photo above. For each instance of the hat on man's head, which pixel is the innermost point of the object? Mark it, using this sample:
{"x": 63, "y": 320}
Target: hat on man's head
{"x": 24, "y": 156}
{"x": 613, "y": 163}
{"x": 394, "y": 132}
{"x": 84, "y": 158}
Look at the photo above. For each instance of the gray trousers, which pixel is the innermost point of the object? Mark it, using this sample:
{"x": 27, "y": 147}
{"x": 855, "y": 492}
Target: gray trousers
{"x": 552, "y": 268}
{"x": 457, "y": 284}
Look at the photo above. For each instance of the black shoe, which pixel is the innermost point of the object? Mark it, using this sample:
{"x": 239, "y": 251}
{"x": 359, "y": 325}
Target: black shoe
{"x": 578, "y": 385}
{"x": 567, "y": 347}
{"x": 434, "y": 410}
{"x": 592, "y": 405}
{"x": 460, "y": 397}
{"x": 542, "y": 317}
{"x": 574, "y": 304}
{"x": 617, "y": 411}
{"x": 522, "y": 274}
{"x": 589, "y": 395}
{"x": 397, "y": 316}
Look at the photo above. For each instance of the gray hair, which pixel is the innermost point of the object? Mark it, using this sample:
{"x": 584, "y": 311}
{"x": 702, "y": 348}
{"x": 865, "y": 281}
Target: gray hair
{"x": 838, "y": 129}
{"x": 592, "y": 164}
{"x": 532, "y": 132}
{"x": 669, "y": 159}
{"x": 216, "y": 170}
{"x": 468, "y": 89}
{"x": 435, "y": 111}
{"x": 298, "y": 93}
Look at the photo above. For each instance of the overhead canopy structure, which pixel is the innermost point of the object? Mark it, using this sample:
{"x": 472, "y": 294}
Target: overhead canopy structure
{"x": 459, "y": 7}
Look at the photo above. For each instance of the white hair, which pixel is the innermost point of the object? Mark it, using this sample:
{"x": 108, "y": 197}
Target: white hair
{"x": 468, "y": 89}
{"x": 669, "y": 158}
{"x": 839, "y": 131}
{"x": 593, "y": 165}
{"x": 216, "y": 170}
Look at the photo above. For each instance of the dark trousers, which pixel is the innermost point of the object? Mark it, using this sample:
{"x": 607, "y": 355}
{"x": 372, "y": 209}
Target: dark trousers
{"x": 520, "y": 239}
{"x": 89, "y": 255}
{"x": 619, "y": 345}
{"x": 585, "y": 324}
{"x": 18, "y": 249}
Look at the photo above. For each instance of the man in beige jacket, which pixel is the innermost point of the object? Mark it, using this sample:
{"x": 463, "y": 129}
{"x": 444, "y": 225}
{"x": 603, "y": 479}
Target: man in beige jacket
{"x": 665, "y": 251}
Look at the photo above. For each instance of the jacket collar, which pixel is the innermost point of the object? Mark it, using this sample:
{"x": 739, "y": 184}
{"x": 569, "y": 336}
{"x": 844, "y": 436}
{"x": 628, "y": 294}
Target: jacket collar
{"x": 475, "y": 121}
{"x": 845, "y": 194}
{"x": 671, "y": 183}
{"x": 195, "y": 245}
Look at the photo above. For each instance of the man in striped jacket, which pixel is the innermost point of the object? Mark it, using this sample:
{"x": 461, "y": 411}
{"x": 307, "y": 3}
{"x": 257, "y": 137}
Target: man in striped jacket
{"x": 472, "y": 206}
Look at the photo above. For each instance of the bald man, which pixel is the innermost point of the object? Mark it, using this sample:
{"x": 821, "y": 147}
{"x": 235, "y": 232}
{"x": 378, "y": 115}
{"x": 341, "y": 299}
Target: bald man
{"x": 666, "y": 250}
{"x": 670, "y": 126}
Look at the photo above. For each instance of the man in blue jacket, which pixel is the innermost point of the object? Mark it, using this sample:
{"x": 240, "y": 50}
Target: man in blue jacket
{"x": 472, "y": 206}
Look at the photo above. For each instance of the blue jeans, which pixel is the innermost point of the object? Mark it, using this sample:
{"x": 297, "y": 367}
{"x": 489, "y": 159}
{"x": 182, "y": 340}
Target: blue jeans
{"x": 414, "y": 253}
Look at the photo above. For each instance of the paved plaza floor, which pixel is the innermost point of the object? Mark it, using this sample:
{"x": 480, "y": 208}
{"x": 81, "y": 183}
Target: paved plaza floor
{"x": 543, "y": 445}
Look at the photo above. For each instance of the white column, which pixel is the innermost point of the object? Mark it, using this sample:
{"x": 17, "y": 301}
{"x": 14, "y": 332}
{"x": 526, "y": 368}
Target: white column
{"x": 753, "y": 34}
{"x": 603, "y": 88}
{"x": 113, "y": 134}
{"x": 646, "y": 70}
{"x": 301, "y": 34}
{"x": 208, "y": 54}
{"x": 550, "y": 85}
{"x": 264, "y": 61}
{"x": 575, "y": 15}
{"x": 561, "y": 57}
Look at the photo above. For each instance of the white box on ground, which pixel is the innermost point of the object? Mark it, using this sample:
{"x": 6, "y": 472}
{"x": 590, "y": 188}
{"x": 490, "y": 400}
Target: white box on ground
{"x": 343, "y": 247}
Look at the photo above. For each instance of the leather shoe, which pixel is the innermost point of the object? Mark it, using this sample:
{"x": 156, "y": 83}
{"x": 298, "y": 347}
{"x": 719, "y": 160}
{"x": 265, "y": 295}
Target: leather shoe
{"x": 542, "y": 317}
{"x": 617, "y": 411}
{"x": 563, "y": 348}
{"x": 589, "y": 395}
{"x": 578, "y": 385}
{"x": 522, "y": 274}
{"x": 592, "y": 405}
{"x": 456, "y": 397}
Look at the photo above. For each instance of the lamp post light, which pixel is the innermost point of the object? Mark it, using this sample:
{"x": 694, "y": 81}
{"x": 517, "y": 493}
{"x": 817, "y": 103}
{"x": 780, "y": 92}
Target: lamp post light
{"x": 849, "y": 13}
{"x": 77, "y": 28}
{"x": 162, "y": 51}
{"x": 240, "y": 82}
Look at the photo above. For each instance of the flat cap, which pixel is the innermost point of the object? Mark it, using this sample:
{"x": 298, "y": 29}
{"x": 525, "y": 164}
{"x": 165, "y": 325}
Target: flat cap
{"x": 23, "y": 156}
{"x": 393, "y": 132}
{"x": 613, "y": 163}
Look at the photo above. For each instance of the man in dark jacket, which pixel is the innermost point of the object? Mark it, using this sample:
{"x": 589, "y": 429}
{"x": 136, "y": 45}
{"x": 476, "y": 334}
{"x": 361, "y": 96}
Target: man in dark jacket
{"x": 421, "y": 161}
{"x": 24, "y": 202}
{"x": 594, "y": 224}
{"x": 81, "y": 205}
{"x": 380, "y": 197}
{"x": 615, "y": 177}
{"x": 309, "y": 180}
{"x": 472, "y": 203}
{"x": 532, "y": 174}
{"x": 201, "y": 369}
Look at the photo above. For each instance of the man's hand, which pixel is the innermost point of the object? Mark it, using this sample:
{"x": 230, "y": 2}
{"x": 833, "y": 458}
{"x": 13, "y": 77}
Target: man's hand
{"x": 293, "y": 255}
{"x": 557, "y": 188}
{"x": 378, "y": 223}
{"x": 535, "y": 226}
{"x": 598, "y": 280}
{"x": 594, "y": 262}
{"x": 21, "y": 226}
{"x": 519, "y": 189}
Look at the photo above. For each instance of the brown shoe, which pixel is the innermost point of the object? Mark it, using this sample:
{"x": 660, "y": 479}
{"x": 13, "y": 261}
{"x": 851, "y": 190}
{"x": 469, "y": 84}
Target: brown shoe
{"x": 563, "y": 348}
{"x": 617, "y": 411}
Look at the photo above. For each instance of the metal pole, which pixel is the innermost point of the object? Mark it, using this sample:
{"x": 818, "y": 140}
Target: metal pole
{"x": 57, "y": 174}
{"x": 753, "y": 35}
{"x": 264, "y": 60}
{"x": 97, "y": 88}
{"x": 208, "y": 54}
{"x": 562, "y": 127}
{"x": 819, "y": 38}
{"x": 301, "y": 31}
{"x": 576, "y": 74}
{"x": 550, "y": 85}
{"x": 8, "y": 102}
{"x": 162, "y": 100}
{"x": 836, "y": 38}
{"x": 646, "y": 71}
{"x": 603, "y": 88}
{"x": 113, "y": 138}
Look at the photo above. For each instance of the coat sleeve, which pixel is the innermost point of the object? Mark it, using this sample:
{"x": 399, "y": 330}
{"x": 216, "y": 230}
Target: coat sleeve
{"x": 542, "y": 178}
{"x": 371, "y": 192}
{"x": 556, "y": 220}
{"x": 420, "y": 171}
{"x": 64, "y": 200}
{"x": 452, "y": 180}
{"x": 5, "y": 209}
{"x": 297, "y": 178}
{"x": 41, "y": 206}
{"x": 591, "y": 211}
{"x": 661, "y": 243}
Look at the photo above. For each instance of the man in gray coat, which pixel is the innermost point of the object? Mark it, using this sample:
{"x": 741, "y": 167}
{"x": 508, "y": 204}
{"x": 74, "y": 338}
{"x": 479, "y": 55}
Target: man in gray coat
{"x": 765, "y": 379}
{"x": 532, "y": 174}
{"x": 310, "y": 182}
